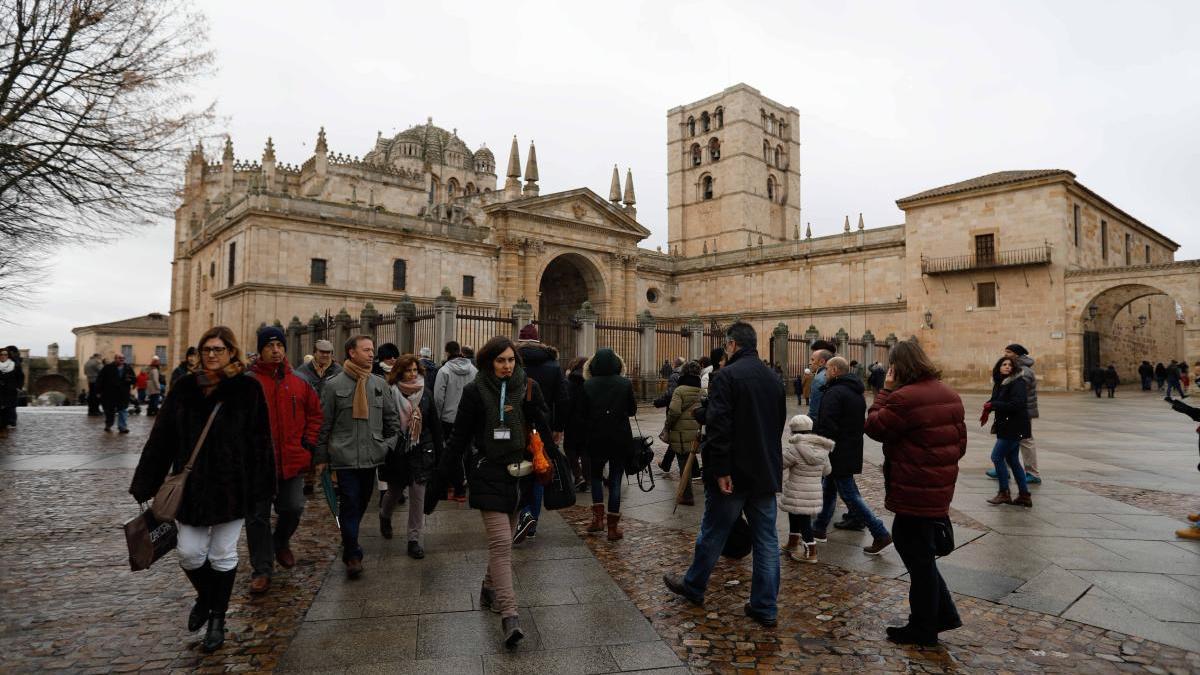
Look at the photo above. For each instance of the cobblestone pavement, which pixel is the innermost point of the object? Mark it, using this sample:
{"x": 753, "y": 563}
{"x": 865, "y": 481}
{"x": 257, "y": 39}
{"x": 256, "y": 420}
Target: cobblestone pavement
{"x": 68, "y": 601}
{"x": 832, "y": 620}
{"x": 1170, "y": 504}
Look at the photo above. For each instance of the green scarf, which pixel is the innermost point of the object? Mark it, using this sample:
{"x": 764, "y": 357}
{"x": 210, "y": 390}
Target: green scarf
{"x": 514, "y": 418}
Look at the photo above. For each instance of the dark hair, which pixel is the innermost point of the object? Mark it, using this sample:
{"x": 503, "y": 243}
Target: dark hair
{"x": 191, "y": 351}
{"x": 402, "y": 364}
{"x": 743, "y": 334}
{"x": 452, "y": 348}
{"x": 352, "y": 343}
{"x": 493, "y": 348}
{"x": 468, "y": 353}
{"x": 911, "y": 364}
{"x": 224, "y": 334}
{"x": 576, "y": 363}
{"x": 690, "y": 368}
{"x": 704, "y": 362}
{"x": 715, "y": 356}
{"x": 1016, "y": 368}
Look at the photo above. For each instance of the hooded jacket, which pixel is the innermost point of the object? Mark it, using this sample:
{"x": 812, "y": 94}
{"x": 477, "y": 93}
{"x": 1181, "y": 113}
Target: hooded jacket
{"x": 1027, "y": 374}
{"x": 609, "y": 403}
{"x": 805, "y": 462}
{"x": 682, "y": 427}
{"x": 295, "y": 413}
{"x": 541, "y": 363}
{"x": 840, "y": 419}
{"x": 451, "y": 379}
{"x": 1011, "y": 408}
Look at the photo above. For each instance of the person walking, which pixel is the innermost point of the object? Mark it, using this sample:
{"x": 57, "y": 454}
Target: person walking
{"x": 743, "y": 469}
{"x": 1111, "y": 380}
{"x": 187, "y": 365}
{"x": 575, "y": 431}
{"x": 540, "y": 362}
{"x": 920, "y": 422}
{"x": 1160, "y": 375}
{"x": 1021, "y": 357}
{"x": 114, "y": 381}
{"x": 321, "y": 368}
{"x": 608, "y": 403}
{"x": 421, "y": 431}
{"x": 359, "y": 415}
{"x": 154, "y": 387}
{"x": 682, "y": 428}
{"x": 1096, "y": 378}
{"x": 140, "y": 384}
{"x": 12, "y": 379}
{"x": 454, "y": 375}
{"x": 1146, "y": 373}
{"x": 495, "y": 415}
{"x": 1173, "y": 381}
{"x": 1184, "y": 380}
{"x": 295, "y": 416}
{"x": 91, "y": 370}
{"x": 840, "y": 420}
{"x": 1012, "y": 424}
{"x": 234, "y": 470}
{"x": 662, "y": 402}
{"x": 805, "y": 464}
{"x": 822, "y": 351}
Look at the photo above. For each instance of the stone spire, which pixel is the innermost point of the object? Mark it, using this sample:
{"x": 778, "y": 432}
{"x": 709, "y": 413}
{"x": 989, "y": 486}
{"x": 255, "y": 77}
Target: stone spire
{"x": 531, "y": 172}
{"x": 808, "y": 231}
{"x": 629, "y": 198}
{"x": 269, "y": 151}
{"x": 846, "y": 228}
{"x": 321, "y": 148}
{"x": 514, "y": 161}
{"x": 268, "y": 165}
{"x": 227, "y": 155}
{"x": 614, "y": 190}
{"x": 860, "y": 221}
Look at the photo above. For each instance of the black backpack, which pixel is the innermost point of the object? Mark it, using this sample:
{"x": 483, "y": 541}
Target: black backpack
{"x": 640, "y": 458}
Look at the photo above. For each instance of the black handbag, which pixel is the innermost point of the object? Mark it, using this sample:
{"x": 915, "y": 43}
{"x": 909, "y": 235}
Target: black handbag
{"x": 148, "y": 539}
{"x": 740, "y": 541}
{"x": 641, "y": 452}
{"x": 943, "y": 537}
{"x": 559, "y": 493}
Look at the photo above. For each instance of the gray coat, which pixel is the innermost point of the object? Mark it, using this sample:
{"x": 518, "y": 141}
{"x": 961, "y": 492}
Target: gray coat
{"x": 347, "y": 443}
{"x": 308, "y": 373}
{"x": 451, "y": 379}
{"x": 1027, "y": 374}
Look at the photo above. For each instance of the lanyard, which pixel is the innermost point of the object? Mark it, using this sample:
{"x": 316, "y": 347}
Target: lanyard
{"x": 503, "y": 395}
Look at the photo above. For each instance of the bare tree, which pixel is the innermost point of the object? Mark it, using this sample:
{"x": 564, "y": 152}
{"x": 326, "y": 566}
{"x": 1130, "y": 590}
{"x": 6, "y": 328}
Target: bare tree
{"x": 95, "y": 116}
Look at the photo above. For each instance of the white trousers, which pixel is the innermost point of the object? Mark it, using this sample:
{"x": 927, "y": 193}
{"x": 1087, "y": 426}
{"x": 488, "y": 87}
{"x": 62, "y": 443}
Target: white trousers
{"x": 216, "y": 544}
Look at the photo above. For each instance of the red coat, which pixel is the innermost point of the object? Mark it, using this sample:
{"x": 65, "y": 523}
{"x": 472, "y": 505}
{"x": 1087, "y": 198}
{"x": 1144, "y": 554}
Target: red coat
{"x": 296, "y": 416}
{"x": 923, "y": 434}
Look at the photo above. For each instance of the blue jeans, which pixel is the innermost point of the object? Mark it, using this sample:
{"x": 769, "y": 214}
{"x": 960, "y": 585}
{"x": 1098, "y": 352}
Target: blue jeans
{"x": 720, "y": 511}
{"x": 616, "y": 471}
{"x": 534, "y": 504}
{"x": 831, "y": 487}
{"x": 121, "y": 414}
{"x": 354, "y": 487}
{"x": 1008, "y": 451}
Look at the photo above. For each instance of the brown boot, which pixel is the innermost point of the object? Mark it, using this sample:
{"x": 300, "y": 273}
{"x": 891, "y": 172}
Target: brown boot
{"x": 597, "y": 524}
{"x": 1002, "y": 497}
{"x": 1023, "y": 499}
{"x": 614, "y": 527}
{"x": 792, "y": 542}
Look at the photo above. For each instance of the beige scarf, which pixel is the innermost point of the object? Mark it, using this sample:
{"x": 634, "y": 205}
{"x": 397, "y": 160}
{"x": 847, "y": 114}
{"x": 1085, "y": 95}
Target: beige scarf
{"x": 361, "y": 409}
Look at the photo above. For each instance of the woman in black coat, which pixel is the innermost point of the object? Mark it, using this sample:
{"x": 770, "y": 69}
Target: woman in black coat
{"x": 234, "y": 469}
{"x": 1012, "y": 424}
{"x": 495, "y": 415}
{"x": 609, "y": 403}
{"x": 12, "y": 378}
{"x": 575, "y": 432}
{"x": 1111, "y": 380}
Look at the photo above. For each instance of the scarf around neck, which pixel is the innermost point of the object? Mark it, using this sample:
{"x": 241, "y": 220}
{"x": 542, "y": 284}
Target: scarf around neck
{"x": 514, "y": 413}
{"x": 209, "y": 379}
{"x": 361, "y": 409}
{"x": 409, "y": 405}
{"x": 8, "y": 366}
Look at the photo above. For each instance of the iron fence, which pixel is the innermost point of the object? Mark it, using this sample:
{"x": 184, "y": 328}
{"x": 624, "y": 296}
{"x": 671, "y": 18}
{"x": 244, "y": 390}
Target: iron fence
{"x": 474, "y": 326}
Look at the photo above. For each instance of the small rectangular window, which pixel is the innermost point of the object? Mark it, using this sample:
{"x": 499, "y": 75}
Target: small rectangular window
{"x": 1147, "y": 254}
{"x": 1076, "y": 212}
{"x": 985, "y": 249}
{"x": 399, "y": 274}
{"x": 468, "y": 286}
{"x": 161, "y": 352}
{"x": 1128, "y": 250}
{"x": 127, "y": 352}
{"x": 985, "y": 294}
{"x": 1104, "y": 239}
{"x": 316, "y": 274}
{"x": 232, "y": 262}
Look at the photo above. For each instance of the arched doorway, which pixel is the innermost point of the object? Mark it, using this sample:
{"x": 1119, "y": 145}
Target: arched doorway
{"x": 567, "y": 281}
{"x": 1126, "y": 324}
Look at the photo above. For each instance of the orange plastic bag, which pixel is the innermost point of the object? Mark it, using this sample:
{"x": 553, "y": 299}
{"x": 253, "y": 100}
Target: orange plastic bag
{"x": 543, "y": 470}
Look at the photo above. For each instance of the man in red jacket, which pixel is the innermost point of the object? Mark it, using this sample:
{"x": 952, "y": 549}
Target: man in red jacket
{"x": 296, "y": 420}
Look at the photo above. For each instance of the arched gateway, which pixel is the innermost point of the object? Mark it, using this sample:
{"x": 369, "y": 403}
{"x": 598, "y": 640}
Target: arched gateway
{"x": 566, "y": 282}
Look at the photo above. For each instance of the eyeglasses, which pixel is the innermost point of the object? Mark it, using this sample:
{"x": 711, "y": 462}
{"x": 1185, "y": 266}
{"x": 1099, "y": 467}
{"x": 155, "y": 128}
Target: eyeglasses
{"x": 213, "y": 351}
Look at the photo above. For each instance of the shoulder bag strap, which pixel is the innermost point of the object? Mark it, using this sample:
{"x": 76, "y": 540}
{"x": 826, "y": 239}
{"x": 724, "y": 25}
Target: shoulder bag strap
{"x": 203, "y": 435}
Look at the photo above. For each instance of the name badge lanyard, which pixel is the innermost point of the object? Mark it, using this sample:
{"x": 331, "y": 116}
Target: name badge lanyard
{"x": 502, "y": 433}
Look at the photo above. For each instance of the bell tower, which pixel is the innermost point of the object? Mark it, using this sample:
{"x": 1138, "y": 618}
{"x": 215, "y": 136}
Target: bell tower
{"x": 733, "y": 172}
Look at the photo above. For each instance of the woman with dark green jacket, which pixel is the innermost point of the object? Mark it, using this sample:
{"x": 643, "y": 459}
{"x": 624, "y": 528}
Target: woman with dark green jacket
{"x": 609, "y": 403}
{"x": 682, "y": 427}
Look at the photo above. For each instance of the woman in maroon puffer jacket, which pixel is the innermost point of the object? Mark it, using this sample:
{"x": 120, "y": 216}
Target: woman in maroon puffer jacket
{"x": 920, "y": 422}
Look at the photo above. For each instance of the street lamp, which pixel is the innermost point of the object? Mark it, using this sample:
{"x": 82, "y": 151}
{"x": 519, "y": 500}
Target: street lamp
{"x": 928, "y": 319}
{"x": 1092, "y": 311}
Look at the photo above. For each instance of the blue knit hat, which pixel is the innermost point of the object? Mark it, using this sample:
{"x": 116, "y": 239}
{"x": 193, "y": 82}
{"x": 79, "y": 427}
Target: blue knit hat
{"x": 270, "y": 333}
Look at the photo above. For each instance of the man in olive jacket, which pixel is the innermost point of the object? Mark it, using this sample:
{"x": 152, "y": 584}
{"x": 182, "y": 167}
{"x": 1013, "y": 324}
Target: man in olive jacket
{"x": 359, "y": 413}
{"x": 743, "y": 469}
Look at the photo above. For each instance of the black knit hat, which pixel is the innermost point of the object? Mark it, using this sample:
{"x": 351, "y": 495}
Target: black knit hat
{"x": 270, "y": 333}
{"x": 387, "y": 350}
{"x": 1017, "y": 349}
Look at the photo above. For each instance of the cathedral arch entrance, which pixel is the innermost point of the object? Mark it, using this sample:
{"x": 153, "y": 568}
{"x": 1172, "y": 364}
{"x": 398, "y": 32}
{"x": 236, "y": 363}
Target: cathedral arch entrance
{"x": 567, "y": 281}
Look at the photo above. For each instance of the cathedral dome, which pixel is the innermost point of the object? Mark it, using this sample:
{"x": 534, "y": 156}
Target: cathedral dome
{"x": 432, "y": 144}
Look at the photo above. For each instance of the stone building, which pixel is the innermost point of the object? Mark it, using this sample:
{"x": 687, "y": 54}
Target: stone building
{"x": 1016, "y": 256}
{"x": 139, "y": 339}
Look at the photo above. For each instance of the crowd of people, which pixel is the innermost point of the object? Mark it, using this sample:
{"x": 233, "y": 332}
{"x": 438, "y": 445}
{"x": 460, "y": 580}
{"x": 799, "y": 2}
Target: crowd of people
{"x": 467, "y": 429}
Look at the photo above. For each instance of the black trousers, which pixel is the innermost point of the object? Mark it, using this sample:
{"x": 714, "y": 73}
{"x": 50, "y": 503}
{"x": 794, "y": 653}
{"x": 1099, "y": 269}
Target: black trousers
{"x": 930, "y": 606}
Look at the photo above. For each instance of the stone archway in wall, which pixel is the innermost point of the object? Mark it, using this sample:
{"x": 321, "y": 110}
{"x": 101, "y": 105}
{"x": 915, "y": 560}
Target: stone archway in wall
{"x": 566, "y": 282}
{"x": 1125, "y": 324}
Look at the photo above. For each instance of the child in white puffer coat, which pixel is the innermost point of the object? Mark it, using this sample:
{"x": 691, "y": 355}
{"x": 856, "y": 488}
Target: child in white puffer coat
{"x": 805, "y": 462}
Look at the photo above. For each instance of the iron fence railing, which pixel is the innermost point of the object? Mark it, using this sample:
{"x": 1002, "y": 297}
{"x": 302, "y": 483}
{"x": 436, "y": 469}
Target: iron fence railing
{"x": 1038, "y": 255}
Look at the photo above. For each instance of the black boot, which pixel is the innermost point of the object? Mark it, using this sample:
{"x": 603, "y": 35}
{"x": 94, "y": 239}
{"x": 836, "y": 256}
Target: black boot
{"x": 201, "y": 579}
{"x": 222, "y": 588}
{"x": 511, "y": 627}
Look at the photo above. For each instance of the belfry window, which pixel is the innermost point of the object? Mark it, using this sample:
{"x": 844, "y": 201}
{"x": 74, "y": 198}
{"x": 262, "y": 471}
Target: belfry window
{"x": 691, "y": 124}
{"x": 714, "y": 150}
{"x": 704, "y": 122}
{"x": 771, "y": 188}
{"x": 706, "y": 187}
{"x": 696, "y": 154}
{"x": 720, "y": 115}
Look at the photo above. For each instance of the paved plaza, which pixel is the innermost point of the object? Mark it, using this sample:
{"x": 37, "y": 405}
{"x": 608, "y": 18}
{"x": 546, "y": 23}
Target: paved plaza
{"x": 1091, "y": 579}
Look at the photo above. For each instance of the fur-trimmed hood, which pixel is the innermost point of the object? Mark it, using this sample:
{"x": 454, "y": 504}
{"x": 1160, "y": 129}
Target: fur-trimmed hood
{"x": 604, "y": 361}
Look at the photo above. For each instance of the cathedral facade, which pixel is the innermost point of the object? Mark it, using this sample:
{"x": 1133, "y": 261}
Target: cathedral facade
{"x": 1016, "y": 256}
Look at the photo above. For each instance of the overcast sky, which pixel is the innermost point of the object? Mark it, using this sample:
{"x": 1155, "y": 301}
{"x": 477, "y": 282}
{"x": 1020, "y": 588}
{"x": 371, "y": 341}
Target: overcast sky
{"x": 894, "y": 98}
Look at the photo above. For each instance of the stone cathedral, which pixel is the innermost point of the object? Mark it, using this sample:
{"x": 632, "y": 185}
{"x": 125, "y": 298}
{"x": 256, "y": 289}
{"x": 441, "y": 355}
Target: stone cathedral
{"x": 1029, "y": 256}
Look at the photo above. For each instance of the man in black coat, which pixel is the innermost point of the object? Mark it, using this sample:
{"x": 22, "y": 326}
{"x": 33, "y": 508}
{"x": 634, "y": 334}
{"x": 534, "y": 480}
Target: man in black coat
{"x": 541, "y": 365}
{"x": 743, "y": 469}
{"x": 114, "y": 382}
{"x": 1096, "y": 378}
{"x": 841, "y": 419}
{"x": 1146, "y": 372}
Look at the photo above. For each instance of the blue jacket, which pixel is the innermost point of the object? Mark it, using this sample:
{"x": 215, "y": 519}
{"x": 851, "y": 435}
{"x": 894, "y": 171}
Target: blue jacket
{"x": 815, "y": 393}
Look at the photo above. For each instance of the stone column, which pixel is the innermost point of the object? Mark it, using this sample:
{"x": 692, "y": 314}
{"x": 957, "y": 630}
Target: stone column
{"x": 649, "y": 354}
{"x": 586, "y": 344}
{"x": 779, "y": 344}
{"x": 406, "y": 311}
{"x": 52, "y": 358}
{"x": 891, "y": 344}
{"x": 868, "y": 339}
{"x": 310, "y": 344}
{"x": 694, "y": 329}
{"x": 809, "y": 336}
{"x": 445, "y": 306}
{"x": 367, "y": 319}
{"x": 341, "y": 333}
{"x": 843, "y": 340}
{"x": 294, "y": 349}
{"x": 522, "y": 314}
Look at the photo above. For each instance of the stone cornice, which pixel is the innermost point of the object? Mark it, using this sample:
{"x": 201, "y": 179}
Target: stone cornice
{"x": 793, "y": 313}
{"x": 389, "y": 299}
{"x": 1180, "y": 265}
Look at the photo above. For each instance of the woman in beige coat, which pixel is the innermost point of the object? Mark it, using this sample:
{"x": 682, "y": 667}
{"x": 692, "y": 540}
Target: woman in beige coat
{"x": 682, "y": 427}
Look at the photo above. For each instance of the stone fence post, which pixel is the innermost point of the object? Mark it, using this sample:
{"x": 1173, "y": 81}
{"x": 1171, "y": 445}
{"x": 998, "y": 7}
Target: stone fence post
{"x": 694, "y": 329}
{"x": 649, "y": 353}
{"x": 522, "y": 314}
{"x": 586, "y": 344}
{"x": 341, "y": 333}
{"x": 779, "y": 346}
{"x": 445, "y": 307}
{"x": 366, "y": 323}
{"x": 406, "y": 312}
{"x": 868, "y": 339}
{"x": 294, "y": 350}
{"x": 843, "y": 340}
{"x": 891, "y": 341}
{"x": 310, "y": 344}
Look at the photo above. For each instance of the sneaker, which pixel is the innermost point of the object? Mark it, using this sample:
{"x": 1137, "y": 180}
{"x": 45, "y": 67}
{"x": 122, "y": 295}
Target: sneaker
{"x": 1032, "y": 478}
{"x": 878, "y": 545}
{"x": 532, "y": 531}
{"x": 854, "y": 525}
{"x": 123, "y": 431}
{"x": 991, "y": 473}
{"x": 524, "y": 524}
{"x": 820, "y": 537}
{"x": 354, "y": 568}
{"x": 415, "y": 551}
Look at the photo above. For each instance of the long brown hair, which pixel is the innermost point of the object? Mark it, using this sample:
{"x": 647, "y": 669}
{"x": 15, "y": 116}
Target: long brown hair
{"x": 911, "y": 364}
{"x": 224, "y": 334}
{"x": 402, "y": 363}
{"x": 493, "y": 348}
